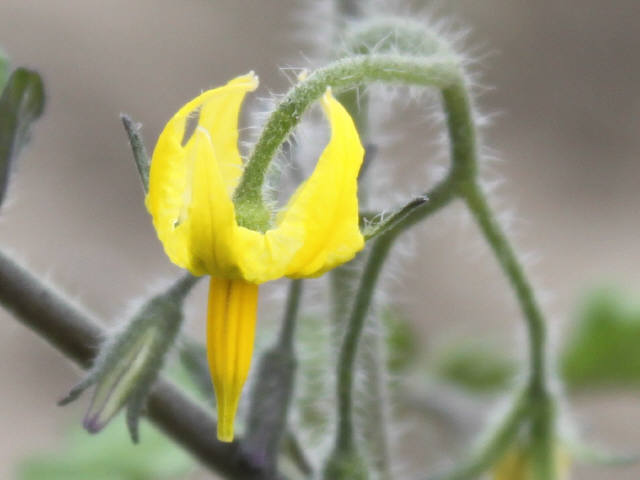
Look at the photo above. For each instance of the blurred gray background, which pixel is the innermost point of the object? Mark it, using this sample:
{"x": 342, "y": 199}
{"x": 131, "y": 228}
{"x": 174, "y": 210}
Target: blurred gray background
{"x": 563, "y": 77}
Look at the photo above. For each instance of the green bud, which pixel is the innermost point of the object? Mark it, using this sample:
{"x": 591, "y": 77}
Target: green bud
{"x": 129, "y": 362}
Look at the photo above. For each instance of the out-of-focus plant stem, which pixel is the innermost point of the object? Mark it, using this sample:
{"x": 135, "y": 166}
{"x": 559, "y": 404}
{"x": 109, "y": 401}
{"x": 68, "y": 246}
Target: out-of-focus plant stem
{"x": 272, "y": 391}
{"x": 74, "y": 333}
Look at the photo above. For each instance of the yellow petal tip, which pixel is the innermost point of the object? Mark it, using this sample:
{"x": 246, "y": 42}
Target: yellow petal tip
{"x": 225, "y": 432}
{"x": 250, "y": 79}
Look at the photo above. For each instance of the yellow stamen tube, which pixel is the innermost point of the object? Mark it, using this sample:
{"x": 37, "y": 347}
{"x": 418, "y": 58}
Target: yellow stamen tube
{"x": 231, "y": 323}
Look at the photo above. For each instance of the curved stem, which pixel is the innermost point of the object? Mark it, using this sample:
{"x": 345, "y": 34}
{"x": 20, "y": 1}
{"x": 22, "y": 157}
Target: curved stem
{"x": 438, "y": 71}
{"x": 506, "y": 256}
{"x": 393, "y": 34}
{"x": 464, "y": 169}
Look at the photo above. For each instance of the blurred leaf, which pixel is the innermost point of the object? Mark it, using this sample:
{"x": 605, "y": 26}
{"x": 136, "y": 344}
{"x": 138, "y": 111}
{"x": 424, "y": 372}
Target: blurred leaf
{"x": 476, "y": 366}
{"x": 603, "y": 346}
{"x": 401, "y": 340}
{"x": 21, "y": 103}
{"x": 109, "y": 456}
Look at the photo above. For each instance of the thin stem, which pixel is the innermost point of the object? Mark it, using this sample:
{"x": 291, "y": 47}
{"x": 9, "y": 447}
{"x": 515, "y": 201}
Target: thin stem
{"x": 375, "y": 413}
{"x": 439, "y": 197}
{"x": 287, "y": 331}
{"x": 181, "y": 288}
{"x": 438, "y": 71}
{"x": 464, "y": 169}
{"x": 73, "y": 332}
{"x": 505, "y": 255}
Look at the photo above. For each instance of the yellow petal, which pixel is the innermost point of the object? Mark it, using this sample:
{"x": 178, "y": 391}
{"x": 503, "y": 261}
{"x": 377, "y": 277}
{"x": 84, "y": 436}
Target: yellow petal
{"x": 231, "y": 320}
{"x": 187, "y": 181}
{"x": 318, "y": 229}
{"x": 324, "y": 209}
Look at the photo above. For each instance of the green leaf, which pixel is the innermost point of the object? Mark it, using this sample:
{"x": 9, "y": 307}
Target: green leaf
{"x": 476, "y": 366}
{"x": 602, "y": 348}
{"x": 21, "y": 103}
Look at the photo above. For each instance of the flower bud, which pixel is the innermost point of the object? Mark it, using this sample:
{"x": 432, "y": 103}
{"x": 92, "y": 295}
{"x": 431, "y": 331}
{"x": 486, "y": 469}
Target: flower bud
{"x": 129, "y": 362}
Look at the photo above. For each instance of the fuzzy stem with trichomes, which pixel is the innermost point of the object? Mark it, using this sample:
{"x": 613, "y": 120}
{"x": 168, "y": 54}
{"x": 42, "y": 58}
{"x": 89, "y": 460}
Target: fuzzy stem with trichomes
{"x": 438, "y": 71}
{"x": 410, "y": 38}
{"x": 464, "y": 168}
{"x": 440, "y": 196}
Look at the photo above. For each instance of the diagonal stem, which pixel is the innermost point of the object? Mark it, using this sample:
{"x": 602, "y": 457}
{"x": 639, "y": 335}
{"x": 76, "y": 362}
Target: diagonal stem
{"x": 73, "y": 332}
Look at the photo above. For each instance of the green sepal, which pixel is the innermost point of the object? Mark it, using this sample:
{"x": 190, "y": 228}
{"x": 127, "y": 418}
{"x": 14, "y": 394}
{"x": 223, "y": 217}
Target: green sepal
{"x": 130, "y": 361}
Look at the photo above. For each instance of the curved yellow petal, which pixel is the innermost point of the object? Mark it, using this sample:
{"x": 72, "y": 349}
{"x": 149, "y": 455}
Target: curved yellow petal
{"x": 324, "y": 209}
{"x": 318, "y": 229}
{"x": 190, "y": 184}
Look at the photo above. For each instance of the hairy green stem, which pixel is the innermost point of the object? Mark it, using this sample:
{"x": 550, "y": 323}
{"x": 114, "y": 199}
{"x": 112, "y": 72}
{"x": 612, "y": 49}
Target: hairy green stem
{"x": 440, "y": 196}
{"x": 375, "y": 421}
{"x": 393, "y": 34}
{"x": 437, "y": 71}
{"x": 288, "y": 328}
{"x": 74, "y": 333}
{"x": 505, "y": 255}
{"x": 464, "y": 169}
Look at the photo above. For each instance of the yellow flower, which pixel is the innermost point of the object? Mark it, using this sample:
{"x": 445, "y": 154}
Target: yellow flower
{"x": 191, "y": 186}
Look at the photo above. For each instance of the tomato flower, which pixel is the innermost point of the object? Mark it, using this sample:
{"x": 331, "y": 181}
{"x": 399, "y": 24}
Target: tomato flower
{"x": 190, "y": 198}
